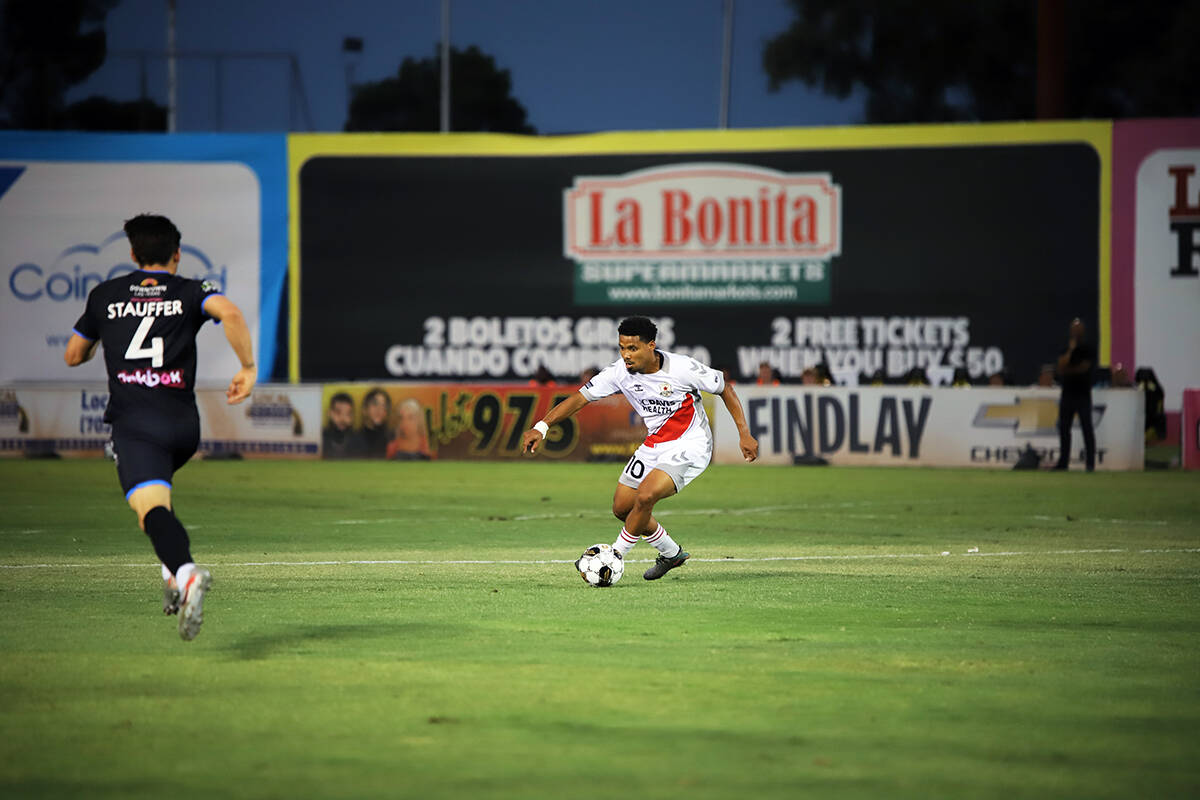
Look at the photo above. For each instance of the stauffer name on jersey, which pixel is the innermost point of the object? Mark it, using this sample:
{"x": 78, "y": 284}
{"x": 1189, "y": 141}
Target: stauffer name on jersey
{"x": 147, "y": 377}
{"x": 145, "y": 308}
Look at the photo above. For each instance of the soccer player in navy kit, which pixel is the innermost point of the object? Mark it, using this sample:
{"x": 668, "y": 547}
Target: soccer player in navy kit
{"x": 148, "y": 321}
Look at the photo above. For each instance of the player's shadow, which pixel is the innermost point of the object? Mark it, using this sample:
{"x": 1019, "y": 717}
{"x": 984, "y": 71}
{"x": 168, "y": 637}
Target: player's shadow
{"x": 260, "y": 646}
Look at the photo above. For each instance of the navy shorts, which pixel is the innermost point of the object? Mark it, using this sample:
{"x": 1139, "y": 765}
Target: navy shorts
{"x": 150, "y": 450}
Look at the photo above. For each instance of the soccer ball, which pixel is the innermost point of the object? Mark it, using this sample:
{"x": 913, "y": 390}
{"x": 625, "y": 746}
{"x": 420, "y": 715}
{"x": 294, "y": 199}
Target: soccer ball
{"x": 600, "y": 565}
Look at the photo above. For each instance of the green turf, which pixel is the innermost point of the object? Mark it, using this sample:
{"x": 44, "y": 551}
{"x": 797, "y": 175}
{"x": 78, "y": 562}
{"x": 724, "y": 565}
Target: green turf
{"x": 1061, "y": 661}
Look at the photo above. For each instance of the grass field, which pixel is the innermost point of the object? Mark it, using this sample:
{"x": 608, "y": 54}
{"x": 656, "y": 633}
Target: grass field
{"x": 417, "y": 630}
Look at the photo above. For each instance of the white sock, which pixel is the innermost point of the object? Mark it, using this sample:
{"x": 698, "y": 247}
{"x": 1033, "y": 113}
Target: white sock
{"x": 183, "y": 574}
{"x": 624, "y": 542}
{"x": 663, "y": 543}
{"x": 166, "y": 572}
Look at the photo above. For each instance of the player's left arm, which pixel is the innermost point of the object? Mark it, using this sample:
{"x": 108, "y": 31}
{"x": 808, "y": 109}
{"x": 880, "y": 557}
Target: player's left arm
{"x": 733, "y": 405}
{"x": 79, "y": 350}
{"x": 237, "y": 333}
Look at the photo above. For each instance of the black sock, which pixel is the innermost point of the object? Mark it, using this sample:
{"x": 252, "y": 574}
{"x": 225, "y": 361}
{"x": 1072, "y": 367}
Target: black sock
{"x": 169, "y": 537}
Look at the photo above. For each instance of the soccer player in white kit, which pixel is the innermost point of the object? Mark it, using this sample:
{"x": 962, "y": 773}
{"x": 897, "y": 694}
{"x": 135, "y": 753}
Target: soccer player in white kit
{"x": 664, "y": 388}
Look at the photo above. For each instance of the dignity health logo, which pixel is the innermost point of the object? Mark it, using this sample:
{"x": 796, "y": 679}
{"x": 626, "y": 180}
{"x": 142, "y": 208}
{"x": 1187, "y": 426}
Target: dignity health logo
{"x": 703, "y": 232}
{"x": 70, "y": 275}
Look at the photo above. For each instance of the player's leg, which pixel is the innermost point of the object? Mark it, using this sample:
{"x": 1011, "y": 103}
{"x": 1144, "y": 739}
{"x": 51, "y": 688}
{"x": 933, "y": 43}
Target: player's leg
{"x": 170, "y": 589}
{"x": 142, "y": 463}
{"x": 152, "y": 503}
{"x": 631, "y": 477}
{"x": 674, "y": 468}
{"x": 657, "y": 485}
{"x": 193, "y": 581}
{"x": 623, "y": 500}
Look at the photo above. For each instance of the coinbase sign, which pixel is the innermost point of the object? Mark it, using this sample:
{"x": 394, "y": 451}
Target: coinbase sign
{"x": 60, "y": 236}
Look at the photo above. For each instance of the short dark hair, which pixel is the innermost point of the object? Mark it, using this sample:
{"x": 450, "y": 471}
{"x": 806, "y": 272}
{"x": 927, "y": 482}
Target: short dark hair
{"x": 640, "y": 327}
{"x": 154, "y": 239}
{"x": 341, "y": 397}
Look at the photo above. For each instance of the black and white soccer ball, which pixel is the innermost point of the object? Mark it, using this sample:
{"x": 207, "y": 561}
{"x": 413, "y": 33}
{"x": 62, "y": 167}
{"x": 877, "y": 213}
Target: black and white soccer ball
{"x": 600, "y": 565}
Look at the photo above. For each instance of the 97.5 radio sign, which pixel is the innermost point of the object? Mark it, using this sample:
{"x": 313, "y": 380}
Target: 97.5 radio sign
{"x": 406, "y": 422}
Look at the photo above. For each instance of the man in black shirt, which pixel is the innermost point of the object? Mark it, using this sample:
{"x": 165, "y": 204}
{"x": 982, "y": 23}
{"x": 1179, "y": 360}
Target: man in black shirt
{"x": 148, "y": 321}
{"x": 339, "y": 439}
{"x": 1075, "y": 373}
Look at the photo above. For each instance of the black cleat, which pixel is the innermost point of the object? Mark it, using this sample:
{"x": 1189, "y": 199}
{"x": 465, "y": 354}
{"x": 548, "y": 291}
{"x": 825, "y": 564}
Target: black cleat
{"x": 663, "y": 565}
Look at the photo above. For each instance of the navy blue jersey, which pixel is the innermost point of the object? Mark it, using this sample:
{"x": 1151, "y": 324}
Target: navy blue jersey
{"x": 147, "y": 322}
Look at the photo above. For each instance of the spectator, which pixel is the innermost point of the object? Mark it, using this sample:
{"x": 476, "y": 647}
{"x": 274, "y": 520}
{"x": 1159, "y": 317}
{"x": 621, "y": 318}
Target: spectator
{"x": 767, "y": 375}
{"x": 542, "y": 377}
{"x": 411, "y": 439}
{"x": 916, "y": 377}
{"x": 1075, "y": 368}
{"x": 339, "y": 439}
{"x": 377, "y": 409}
{"x": 1046, "y": 376}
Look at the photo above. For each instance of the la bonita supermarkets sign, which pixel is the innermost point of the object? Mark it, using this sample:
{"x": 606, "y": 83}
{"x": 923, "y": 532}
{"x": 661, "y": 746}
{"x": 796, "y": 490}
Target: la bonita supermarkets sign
{"x": 703, "y": 233}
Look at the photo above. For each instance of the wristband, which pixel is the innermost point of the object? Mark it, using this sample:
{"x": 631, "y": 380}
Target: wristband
{"x": 541, "y": 427}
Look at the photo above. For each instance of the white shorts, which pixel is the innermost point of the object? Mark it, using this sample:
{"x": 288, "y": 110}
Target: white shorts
{"x": 683, "y": 460}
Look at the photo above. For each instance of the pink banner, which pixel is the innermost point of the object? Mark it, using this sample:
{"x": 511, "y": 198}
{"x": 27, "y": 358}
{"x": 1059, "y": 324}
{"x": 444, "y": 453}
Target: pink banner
{"x": 1156, "y": 251}
{"x": 1190, "y": 433}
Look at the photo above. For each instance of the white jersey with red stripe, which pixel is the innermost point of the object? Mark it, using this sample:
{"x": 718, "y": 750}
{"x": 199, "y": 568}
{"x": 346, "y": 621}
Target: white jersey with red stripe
{"x": 667, "y": 400}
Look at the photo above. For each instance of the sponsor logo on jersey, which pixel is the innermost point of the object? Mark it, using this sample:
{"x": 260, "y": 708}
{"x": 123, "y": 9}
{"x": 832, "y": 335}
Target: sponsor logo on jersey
{"x": 637, "y": 387}
{"x": 653, "y": 405}
{"x": 149, "y": 282}
{"x": 172, "y": 378}
{"x": 144, "y": 291}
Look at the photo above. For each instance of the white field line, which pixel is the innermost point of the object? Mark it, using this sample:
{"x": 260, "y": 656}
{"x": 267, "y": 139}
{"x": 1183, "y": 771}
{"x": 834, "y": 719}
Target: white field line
{"x": 535, "y": 562}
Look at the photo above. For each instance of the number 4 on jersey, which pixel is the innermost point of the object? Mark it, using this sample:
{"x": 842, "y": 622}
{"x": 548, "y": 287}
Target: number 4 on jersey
{"x": 154, "y": 352}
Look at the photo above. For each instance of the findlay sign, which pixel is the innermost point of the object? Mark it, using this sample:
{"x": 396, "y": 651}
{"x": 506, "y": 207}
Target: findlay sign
{"x": 933, "y": 427}
{"x": 702, "y": 233}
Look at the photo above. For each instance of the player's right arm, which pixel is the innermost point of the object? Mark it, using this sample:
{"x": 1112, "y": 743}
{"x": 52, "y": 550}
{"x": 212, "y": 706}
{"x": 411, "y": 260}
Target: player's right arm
{"x": 237, "y": 333}
{"x": 534, "y": 436}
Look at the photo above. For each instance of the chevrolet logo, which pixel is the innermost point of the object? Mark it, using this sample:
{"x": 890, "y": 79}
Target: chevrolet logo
{"x": 1029, "y": 416}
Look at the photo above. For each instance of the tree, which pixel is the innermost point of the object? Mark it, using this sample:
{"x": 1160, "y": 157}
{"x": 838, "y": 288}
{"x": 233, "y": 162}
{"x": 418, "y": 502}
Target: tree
{"x": 43, "y": 53}
{"x": 480, "y": 97}
{"x": 945, "y": 60}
